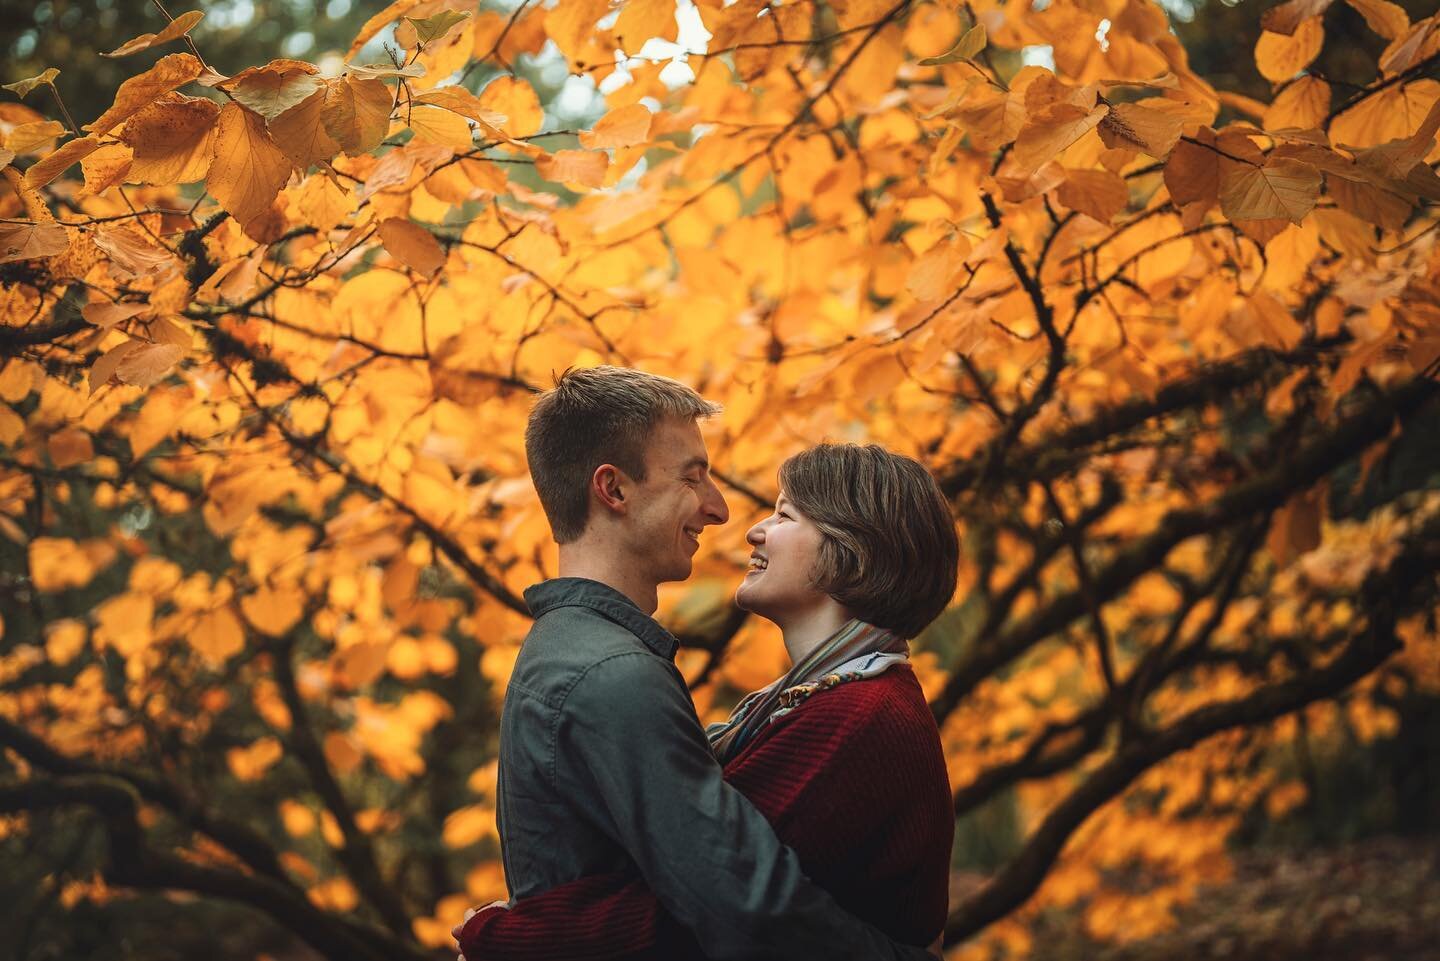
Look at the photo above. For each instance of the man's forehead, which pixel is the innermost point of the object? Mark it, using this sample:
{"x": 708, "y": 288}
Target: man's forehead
{"x": 678, "y": 443}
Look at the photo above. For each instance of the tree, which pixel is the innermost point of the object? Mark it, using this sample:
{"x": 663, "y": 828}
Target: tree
{"x": 271, "y": 348}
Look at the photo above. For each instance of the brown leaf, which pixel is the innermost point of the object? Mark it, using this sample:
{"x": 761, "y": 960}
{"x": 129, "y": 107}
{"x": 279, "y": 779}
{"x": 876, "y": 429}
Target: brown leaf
{"x": 1284, "y": 187}
{"x": 1192, "y": 173}
{"x": 169, "y": 72}
{"x": 54, "y": 164}
{"x": 1370, "y": 203}
{"x": 131, "y": 250}
{"x": 585, "y": 167}
{"x": 301, "y": 134}
{"x": 1280, "y": 57}
{"x": 1097, "y": 193}
{"x": 174, "y": 30}
{"x": 356, "y": 113}
{"x": 104, "y": 368}
{"x": 1287, "y": 16}
{"x": 622, "y": 127}
{"x": 28, "y": 241}
{"x": 103, "y": 313}
{"x": 172, "y": 139}
{"x": 1137, "y": 127}
{"x": 148, "y": 364}
{"x": 274, "y": 88}
{"x": 249, "y": 169}
{"x": 412, "y": 245}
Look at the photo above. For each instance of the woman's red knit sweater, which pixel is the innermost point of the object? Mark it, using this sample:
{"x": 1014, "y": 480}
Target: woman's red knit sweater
{"x": 853, "y": 779}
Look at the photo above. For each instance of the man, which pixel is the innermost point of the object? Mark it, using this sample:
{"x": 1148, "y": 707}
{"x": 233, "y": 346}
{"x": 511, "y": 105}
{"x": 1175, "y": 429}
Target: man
{"x": 603, "y": 761}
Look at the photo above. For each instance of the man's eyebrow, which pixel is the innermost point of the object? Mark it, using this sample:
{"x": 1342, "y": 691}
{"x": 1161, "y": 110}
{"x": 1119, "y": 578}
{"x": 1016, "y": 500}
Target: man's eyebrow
{"x": 697, "y": 461}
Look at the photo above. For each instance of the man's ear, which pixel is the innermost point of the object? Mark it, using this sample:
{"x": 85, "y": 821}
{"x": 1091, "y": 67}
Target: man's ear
{"x": 610, "y": 485}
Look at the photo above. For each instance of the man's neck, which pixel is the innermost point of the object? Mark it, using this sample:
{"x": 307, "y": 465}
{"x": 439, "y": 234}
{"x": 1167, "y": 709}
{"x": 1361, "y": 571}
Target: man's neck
{"x": 612, "y": 568}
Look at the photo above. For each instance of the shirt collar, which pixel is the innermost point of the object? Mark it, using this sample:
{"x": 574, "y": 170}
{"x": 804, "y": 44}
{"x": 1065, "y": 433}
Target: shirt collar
{"x": 606, "y": 601}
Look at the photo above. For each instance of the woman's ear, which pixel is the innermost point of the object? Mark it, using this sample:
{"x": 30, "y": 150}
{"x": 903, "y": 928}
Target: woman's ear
{"x": 609, "y": 485}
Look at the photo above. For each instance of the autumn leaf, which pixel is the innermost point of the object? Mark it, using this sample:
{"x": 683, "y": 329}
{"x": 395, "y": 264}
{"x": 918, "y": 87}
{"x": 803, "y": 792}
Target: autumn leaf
{"x": 131, "y": 250}
{"x": 1387, "y": 19}
{"x": 172, "y": 139}
{"x": 175, "y": 29}
{"x": 103, "y": 370}
{"x": 516, "y": 99}
{"x": 56, "y": 163}
{"x": 27, "y": 241}
{"x": 641, "y": 20}
{"x": 624, "y": 126}
{"x": 1135, "y": 126}
{"x": 300, "y": 132}
{"x": 248, "y": 169}
{"x": 463, "y": 102}
{"x": 23, "y": 88}
{"x": 412, "y": 245}
{"x": 356, "y": 114}
{"x": 106, "y": 167}
{"x": 148, "y": 364}
{"x": 1286, "y": 17}
{"x": 437, "y": 126}
{"x": 1304, "y": 104}
{"x": 1098, "y": 193}
{"x": 103, "y": 313}
{"x": 171, "y": 71}
{"x": 1055, "y": 129}
{"x": 1280, "y": 57}
{"x": 26, "y": 137}
{"x": 1284, "y": 187}
{"x": 274, "y": 88}
{"x": 583, "y": 167}
{"x": 966, "y": 48}
{"x": 430, "y": 29}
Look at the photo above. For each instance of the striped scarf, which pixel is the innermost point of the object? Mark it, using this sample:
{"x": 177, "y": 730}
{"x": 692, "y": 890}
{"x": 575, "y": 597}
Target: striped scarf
{"x": 855, "y": 651}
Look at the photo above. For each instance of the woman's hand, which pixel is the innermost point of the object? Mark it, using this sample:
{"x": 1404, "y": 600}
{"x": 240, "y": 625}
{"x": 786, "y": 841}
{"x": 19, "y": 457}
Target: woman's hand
{"x": 470, "y": 913}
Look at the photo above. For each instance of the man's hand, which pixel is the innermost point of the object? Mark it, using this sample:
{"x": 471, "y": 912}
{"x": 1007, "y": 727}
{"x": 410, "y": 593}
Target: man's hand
{"x": 470, "y": 913}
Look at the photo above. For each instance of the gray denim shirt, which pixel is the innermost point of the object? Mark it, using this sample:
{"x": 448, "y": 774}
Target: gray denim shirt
{"x": 604, "y": 765}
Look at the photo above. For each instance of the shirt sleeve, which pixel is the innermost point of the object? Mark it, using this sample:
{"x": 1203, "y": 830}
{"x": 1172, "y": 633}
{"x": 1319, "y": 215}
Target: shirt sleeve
{"x": 629, "y": 744}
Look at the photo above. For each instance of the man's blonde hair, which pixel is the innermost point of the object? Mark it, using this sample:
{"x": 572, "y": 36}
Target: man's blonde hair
{"x": 594, "y": 416}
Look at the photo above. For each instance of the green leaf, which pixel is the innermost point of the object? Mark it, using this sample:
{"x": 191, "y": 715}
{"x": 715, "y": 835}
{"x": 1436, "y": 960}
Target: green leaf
{"x": 433, "y": 28}
{"x": 23, "y": 87}
{"x": 972, "y": 43}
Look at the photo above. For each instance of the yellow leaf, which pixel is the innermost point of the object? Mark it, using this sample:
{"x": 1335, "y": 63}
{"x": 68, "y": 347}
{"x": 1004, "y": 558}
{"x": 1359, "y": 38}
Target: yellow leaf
{"x": 106, "y": 167}
{"x": 1056, "y": 128}
{"x": 468, "y": 825}
{"x": 172, "y": 139}
{"x": 217, "y": 635}
{"x": 250, "y": 763}
{"x": 379, "y": 22}
{"x": 64, "y": 639}
{"x": 584, "y": 167}
{"x": 124, "y": 623}
{"x": 1282, "y": 188}
{"x": 463, "y": 102}
{"x": 1304, "y": 104}
{"x": 323, "y": 203}
{"x": 29, "y": 241}
{"x": 274, "y": 88}
{"x": 249, "y": 169}
{"x": 171, "y": 71}
{"x": 300, "y": 132}
{"x": 934, "y": 275}
{"x": 26, "y": 137}
{"x": 23, "y": 87}
{"x": 966, "y": 48}
{"x": 516, "y": 99}
{"x": 273, "y": 610}
{"x": 434, "y": 125}
{"x": 356, "y": 113}
{"x": 412, "y": 245}
{"x": 1098, "y": 193}
{"x": 640, "y": 20}
{"x": 1387, "y": 19}
{"x": 622, "y": 127}
{"x": 1390, "y": 114}
{"x": 1280, "y": 57}
{"x": 175, "y": 29}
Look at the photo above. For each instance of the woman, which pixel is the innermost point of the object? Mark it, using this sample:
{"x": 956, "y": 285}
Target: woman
{"x": 841, "y": 754}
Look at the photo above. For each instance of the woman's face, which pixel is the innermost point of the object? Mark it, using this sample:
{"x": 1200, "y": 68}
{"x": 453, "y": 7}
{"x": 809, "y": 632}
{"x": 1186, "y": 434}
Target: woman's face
{"x": 785, "y": 547}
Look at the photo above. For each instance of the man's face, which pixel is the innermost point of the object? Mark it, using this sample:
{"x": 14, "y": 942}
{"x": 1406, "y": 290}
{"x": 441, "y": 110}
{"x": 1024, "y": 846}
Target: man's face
{"x": 676, "y": 501}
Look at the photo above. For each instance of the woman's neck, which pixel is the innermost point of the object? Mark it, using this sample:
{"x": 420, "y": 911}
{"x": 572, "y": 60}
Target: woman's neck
{"x": 807, "y": 630}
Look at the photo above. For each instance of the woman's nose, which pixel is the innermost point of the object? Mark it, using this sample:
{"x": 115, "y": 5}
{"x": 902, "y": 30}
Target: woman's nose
{"x": 756, "y": 534}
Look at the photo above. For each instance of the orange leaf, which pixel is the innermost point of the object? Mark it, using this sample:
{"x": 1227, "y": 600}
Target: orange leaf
{"x": 1304, "y": 104}
{"x": 1057, "y": 128}
{"x": 516, "y": 99}
{"x": 171, "y": 71}
{"x": 622, "y": 127}
{"x": 52, "y": 165}
{"x": 148, "y": 364}
{"x": 642, "y": 20}
{"x": 434, "y": 125}
{"x": 273, "y": 611}
{"x": 105, "y": 314}
{"x": 249, "y": 169}
{"x": 1387, "y": 19}
{"x": 172, "y": 139}
{"x": 1281, "y": 57}
{"x": 1097, "y": 193}
{"x": 585, "y": 167}
{"x": 1133, "y": 126}
{"x": 356, "y": 113}
{"x": 1282, "y": 188}
{"x": 300, "y": 132}
{"x": 463, "y": 102}
{"x": 174, "y": 30}
{"x": 104, "y": 367}
{"x": 412, "y": 245}
{"x": 106, "y": 167}
{"x": 27, "y": 137}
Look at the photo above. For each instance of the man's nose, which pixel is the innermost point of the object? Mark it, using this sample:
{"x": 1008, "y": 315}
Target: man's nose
{"x": 715, "y": 507}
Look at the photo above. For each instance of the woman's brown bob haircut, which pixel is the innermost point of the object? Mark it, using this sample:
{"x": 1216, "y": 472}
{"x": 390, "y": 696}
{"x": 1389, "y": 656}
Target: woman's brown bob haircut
{"x": 889, "y": 552}
{"x": 594, "y": 416}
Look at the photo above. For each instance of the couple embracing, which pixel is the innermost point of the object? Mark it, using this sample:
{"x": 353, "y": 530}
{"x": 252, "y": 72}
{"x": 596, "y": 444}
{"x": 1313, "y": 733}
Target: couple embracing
{"x": 816, "y": 822}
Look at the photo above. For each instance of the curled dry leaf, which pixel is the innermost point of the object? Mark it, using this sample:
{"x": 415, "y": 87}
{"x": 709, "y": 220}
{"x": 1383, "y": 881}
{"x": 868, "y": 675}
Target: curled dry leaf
{"x": 172, "y": 139}
{"x": 381, "y": 71}
{"x": 23, "y": 88}
{"x": 624, "y": 126}
{"x": 249, "y": 169}
{"x": 356, "y": 114}
{"x": 176, "y": 29}
{"x": 466, "y": 104}
{"x": 274, "y": 88}
{"x": 171, "y": 71}
{"x": 412, "y": 245}
{"x": 31, "y": 240}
